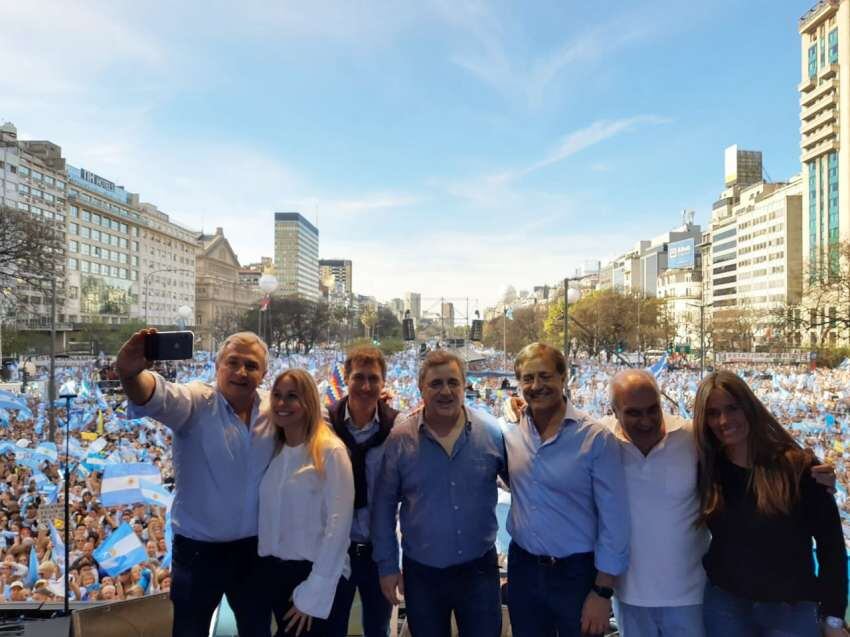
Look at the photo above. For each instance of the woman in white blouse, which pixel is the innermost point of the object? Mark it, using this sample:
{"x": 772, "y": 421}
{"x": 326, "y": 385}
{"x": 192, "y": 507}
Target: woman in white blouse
{"x": 306, "y": 507}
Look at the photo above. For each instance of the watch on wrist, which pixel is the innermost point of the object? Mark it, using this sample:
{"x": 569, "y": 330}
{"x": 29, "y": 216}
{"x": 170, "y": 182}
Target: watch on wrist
{"x": 605, "y": 592}
{"x": 833, "y": 622}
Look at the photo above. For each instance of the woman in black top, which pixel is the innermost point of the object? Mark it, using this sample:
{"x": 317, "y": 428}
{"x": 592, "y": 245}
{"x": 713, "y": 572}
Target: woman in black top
{"x": 763, "y": 509}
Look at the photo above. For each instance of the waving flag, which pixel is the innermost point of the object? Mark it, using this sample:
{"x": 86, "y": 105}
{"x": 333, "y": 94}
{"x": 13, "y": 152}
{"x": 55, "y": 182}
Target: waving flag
{"x": 32, "y": 574}
{"x": 58, "y": 546}
{"x": 47, "y": 450}
{"x": 155, "y": 494}
{"x": 659, "y": 366}
{"x": 121, "y": 551}
{"x": 121, "y": 482}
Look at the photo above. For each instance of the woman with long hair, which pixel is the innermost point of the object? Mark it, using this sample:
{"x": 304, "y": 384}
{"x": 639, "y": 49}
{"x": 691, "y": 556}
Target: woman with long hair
{"x": 763, "y": 509}
{"x": 306, "y": 507}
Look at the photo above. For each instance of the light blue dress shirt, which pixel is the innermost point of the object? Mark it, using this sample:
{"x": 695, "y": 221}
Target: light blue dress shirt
{"x": 448, "y": 502}
{"x": 218, "y": 460}
{"x": 568, "y": 494}
{"x": 360, "y": 524}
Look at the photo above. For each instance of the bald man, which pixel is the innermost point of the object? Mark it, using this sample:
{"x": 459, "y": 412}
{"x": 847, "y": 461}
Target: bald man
{"x": 661, "y": 592}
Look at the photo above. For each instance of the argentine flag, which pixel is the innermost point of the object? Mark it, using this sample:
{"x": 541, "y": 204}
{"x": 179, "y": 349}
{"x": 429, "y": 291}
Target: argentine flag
{"x": 659, "y": 366}
{"x": 121, "y": 482}
{"x": 97, "y": 445}
{"x": 48, "y": 451}
{"x": 58, "y": 546}
{"x": 156, "y": 494}
{"x": 121, "y": 551}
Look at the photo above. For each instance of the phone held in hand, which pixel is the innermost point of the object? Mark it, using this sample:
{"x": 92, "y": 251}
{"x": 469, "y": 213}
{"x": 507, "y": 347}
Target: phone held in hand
{"x": 169, "y": 346}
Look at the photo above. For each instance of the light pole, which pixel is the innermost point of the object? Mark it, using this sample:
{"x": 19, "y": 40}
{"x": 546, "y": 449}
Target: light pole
{"x": 576, "y": 295}
{"x": 268, "y": 284}
{"x": 701, "y": 307}
{"x": 68, "y": 391}
{"x": 148, "y": 279}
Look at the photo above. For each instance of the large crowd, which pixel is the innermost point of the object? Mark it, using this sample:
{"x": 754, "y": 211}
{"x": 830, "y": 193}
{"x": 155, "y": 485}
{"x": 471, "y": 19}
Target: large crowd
{"x": 813, "y": 404}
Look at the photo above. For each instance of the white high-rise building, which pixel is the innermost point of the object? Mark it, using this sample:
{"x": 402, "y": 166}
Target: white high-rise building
{"x": 296, "y": 255}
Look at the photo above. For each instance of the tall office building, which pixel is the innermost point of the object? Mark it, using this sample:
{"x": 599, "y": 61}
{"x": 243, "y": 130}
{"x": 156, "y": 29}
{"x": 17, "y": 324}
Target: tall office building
{"x": 335, "y": 274}
{"x": 296, "y": 255}
{"x": 824, "y": 111}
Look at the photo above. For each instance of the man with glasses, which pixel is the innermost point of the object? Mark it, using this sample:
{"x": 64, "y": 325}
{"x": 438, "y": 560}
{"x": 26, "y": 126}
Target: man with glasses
{"x": 222, "y": 446}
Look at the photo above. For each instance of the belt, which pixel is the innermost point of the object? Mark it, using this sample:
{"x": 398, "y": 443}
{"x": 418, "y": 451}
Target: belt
{"x": 550, "y": 560}
{"x": 360, "y": 549}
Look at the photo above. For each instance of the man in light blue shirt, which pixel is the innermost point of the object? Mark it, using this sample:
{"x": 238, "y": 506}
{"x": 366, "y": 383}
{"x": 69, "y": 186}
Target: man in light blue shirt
{"x": 441, "y": 462}
{"x": 223, "y": 443}
{"x": 569, "y": 517}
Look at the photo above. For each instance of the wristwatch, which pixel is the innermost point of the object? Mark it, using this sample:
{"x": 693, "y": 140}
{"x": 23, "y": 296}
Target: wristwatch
{"x": 603, "y": 591}
{"x": 833, "y": 622}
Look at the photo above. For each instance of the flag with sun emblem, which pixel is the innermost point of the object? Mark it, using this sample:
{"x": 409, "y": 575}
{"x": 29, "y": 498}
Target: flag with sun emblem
{"x": 122, "y": 482}
{"x": 121, "y": 551}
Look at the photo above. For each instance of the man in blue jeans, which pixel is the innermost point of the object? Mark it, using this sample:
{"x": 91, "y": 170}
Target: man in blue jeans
{"x": 441, "y": 462}
{"x": 222, "y": 446}
{"x": 362, "y": 421}
{"x": 569, "y": 518}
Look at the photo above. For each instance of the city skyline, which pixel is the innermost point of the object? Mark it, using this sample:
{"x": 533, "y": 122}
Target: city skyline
{"x": 451, "y": 149}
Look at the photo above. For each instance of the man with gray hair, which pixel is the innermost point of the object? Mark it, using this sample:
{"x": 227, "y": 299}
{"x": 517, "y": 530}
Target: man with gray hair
{"x": 223, "y": 443}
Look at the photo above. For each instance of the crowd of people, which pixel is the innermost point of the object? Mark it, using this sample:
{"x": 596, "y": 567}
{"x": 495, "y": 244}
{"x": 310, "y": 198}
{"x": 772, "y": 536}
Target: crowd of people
{"x": 308, "y": 573}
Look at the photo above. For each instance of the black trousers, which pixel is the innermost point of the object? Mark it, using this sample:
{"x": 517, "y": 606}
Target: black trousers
{"x": 280, "y": 578}
{"x": 201, "y": 572}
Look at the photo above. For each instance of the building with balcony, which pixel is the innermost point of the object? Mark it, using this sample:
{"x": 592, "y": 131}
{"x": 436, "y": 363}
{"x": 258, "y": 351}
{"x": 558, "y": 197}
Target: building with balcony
{"x": 296, "y": 255}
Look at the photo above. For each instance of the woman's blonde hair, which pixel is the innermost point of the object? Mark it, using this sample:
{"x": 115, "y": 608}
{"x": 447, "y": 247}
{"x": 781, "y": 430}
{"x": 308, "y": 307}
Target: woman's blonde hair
{"x": 777, "y": 461}
{"x": 318, "y": 436}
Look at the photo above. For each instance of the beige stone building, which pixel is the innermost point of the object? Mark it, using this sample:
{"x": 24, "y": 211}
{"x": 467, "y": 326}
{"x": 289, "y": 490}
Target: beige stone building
{"x": 221, "y": 299}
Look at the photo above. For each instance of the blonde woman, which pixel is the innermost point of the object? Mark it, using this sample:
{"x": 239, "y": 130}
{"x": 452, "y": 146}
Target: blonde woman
{"x": 764, "y": 510}
{"x": 306, "y": 507}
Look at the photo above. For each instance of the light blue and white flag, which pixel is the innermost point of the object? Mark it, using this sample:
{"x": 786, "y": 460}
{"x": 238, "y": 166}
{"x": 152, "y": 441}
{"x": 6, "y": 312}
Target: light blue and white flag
{"x": 58, "y": 546}
{"x": 32, "y": 573}
{"x": 121, "y": 551}
{"x": 47, "y": 450}
{"x": 97, "y": 445}
{"x": 659, "y": 366}
{"x": 156, "y": 494}
{"x": 121, "y": 482}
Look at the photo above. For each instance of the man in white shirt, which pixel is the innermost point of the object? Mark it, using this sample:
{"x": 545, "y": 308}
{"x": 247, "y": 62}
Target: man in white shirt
{"x": 661, "y": 592}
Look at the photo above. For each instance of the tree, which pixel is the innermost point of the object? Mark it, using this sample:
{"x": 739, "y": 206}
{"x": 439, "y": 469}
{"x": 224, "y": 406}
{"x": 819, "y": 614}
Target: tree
{"x": 369, "y": 318}
{"x": 525, "y": 327}
{"x": 732, "y": 329}
{"x": 31, "y": 251}
{"x": 296, "y": 324}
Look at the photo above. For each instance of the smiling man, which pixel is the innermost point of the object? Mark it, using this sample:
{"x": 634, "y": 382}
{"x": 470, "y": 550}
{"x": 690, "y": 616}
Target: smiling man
{"x": 222, "y": 446}
{"x": 362, "y": 421}
{"x": 569, "y": 519}
{"x": 441, "y": 462}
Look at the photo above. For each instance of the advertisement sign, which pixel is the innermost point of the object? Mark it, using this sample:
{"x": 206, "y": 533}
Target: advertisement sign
{"x": 680, "y": 254}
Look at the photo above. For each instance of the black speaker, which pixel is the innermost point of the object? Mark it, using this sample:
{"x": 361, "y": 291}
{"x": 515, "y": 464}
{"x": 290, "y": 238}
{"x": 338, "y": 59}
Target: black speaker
{"x": 408, "y": 330}
{"x": 476, "y": 332}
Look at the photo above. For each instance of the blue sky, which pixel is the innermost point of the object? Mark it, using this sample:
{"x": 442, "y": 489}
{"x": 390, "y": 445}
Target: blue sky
{"x": 446, "y": 147}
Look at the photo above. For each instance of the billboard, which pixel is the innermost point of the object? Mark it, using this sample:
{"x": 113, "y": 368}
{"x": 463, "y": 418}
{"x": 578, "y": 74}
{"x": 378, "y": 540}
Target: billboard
{"x": 680, "y": 254}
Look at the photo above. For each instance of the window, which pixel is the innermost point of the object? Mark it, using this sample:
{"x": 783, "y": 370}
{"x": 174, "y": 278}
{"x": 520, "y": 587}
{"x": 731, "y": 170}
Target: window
{"x": 124, "y": 273}
{"x": 86, "y": 216}
{"x": 813, "y": 61}
{"x": 73, "y": 246}
{"x": 95, "y": 235}
{"x": 123, "y": 242}
{"x": 75, "y": 211}
{"x": 85, "y": 232}
{"x": 72, "y": 264}
{"x": 124, "y": 228}
{"x": 23, "y": 171}
{"x": 23, "y": 188}
{"x": 84, "y": 266}
{"x": 95, "y": 219}
{"x": 85, "y": 249}
{"x": 73, "y": 228}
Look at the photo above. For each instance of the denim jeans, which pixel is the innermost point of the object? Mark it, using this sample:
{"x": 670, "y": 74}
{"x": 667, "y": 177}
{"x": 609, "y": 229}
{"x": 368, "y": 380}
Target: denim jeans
{"x": 728, "y": 615}
{"x": 470, "y": 590}
{"x": 659, "y": 621}
{"x": 201, "y": 572}
{"x": 376, "y": 609}
{"x": 546, "y": 599}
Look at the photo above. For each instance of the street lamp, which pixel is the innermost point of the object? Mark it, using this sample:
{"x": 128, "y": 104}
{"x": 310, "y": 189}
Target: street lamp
{"x": 68, "y": 392}
{"x": 268, "y": 284}
{"x": 183, "y": 314}
{"x": 570, "y": 296}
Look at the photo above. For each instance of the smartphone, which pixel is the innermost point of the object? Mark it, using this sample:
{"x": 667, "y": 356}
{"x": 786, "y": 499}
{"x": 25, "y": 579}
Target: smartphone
{"x": 169, "y": 346}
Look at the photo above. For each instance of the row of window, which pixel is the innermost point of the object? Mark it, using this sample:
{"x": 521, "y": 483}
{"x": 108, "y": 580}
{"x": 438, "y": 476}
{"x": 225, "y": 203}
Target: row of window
{"x": 102, "y": 237}
{"x": 82, "y": 196}
{"x": 103, "y": 253}
{"x": 92, "y": 267}
{"x": 40, "y": 194}
{"x": 102, "y": 220}
{"x": 42, "y": 212}
{"x": 38, "y": 176}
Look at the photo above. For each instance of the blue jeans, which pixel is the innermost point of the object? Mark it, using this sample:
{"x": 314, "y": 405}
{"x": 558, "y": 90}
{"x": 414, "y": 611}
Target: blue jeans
{"x": 470, "y": 590}
{"x": 728, "y": 615}
{"x": 546, "y": 599}
{"x": 659, "y": 621}
{"x": 375, "y": 608}
{"x": 201, "y": 572}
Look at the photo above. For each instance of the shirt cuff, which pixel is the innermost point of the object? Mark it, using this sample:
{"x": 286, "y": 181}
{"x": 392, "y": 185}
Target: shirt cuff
{"x": 315, "y": 595}
{"x": 611, "y": 564}
{"x": 388, "y": 567}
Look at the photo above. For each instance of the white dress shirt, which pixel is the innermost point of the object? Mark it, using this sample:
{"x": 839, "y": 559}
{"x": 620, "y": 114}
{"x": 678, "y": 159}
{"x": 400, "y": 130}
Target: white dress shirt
{"x": 665, "y": 563}
{"x": 306, "y": 516}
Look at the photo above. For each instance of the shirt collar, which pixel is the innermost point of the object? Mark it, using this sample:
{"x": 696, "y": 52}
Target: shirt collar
{"x": 571, "y": 415}
{"x": 375, "y": 419}
{"x": 420, "y": 419}
{"x": 671, "y": 424}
